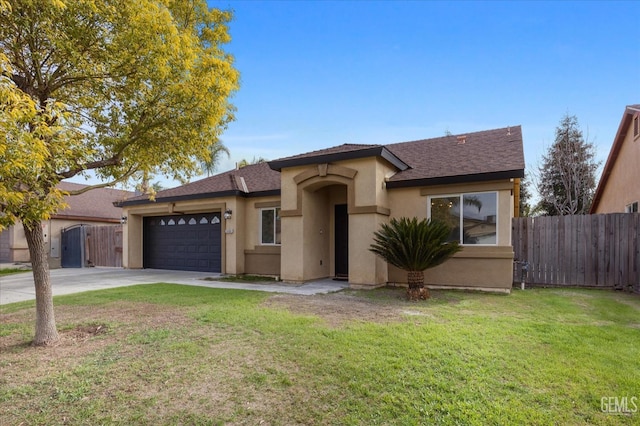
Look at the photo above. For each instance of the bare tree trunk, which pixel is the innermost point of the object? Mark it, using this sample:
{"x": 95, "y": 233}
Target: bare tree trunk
{"x": 416, "y": 289}
{"x": 46, "y": 333}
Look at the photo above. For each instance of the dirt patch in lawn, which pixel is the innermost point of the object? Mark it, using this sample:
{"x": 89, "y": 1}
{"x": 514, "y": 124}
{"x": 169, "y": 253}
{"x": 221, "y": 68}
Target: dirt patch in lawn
{"x": 338, "y": 309}
{"x": 100, "y": 326}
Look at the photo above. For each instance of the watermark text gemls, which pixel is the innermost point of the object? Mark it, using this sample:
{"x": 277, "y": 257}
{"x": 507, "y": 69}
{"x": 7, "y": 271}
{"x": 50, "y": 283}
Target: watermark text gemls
{"x": 619, "y": 404}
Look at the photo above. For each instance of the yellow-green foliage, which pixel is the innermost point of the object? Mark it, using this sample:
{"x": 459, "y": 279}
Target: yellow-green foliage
{"x": 24, "y": 132}
{"x": 118, "y": 87}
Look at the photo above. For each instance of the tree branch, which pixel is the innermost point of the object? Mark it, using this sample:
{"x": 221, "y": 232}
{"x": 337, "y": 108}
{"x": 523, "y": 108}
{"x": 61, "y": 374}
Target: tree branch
{"x": 122, "y": 178}
{"x": 113, "y": 161}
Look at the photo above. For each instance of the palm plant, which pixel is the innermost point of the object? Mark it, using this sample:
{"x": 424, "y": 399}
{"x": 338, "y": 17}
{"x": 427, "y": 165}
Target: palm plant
{"x": 414, "y": 246}
{"x": 209, "y": 164}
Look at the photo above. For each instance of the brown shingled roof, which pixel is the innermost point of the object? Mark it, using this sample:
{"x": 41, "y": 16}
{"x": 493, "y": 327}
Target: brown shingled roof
{"x": 345, "y": 147}
{"x": 94, "y": 204}
{"x": 490, "y": 154}
{"x": 259, "y": 178}
{"x": 462, "y": 157}
{"x": 338, "y": 153}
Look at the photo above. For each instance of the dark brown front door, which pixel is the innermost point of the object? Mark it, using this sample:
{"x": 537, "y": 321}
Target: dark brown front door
{"x": 342, "y": 240}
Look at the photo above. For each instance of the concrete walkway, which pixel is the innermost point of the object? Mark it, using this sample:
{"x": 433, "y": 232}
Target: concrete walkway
{"x": 19, "y": 287}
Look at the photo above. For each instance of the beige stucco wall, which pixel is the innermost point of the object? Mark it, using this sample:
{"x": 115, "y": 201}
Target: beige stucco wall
{"x": 479, "y": 267}
{"x": 365, "y": 268}
{"x": 19, "y": 251}
{"x": 622, "y": 187}
{"x": 258, "y": 259}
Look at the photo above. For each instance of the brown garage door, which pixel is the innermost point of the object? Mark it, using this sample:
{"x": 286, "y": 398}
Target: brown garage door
{"x": 183, "y": 242}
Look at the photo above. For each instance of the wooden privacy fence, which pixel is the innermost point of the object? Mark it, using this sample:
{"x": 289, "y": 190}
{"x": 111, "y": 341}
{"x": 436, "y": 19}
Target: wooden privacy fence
{"x": 600, "y": 250}
{"x": 104, "y": 245}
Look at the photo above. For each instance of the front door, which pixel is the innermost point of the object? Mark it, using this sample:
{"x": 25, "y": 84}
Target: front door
{"x": 341, "y": 241}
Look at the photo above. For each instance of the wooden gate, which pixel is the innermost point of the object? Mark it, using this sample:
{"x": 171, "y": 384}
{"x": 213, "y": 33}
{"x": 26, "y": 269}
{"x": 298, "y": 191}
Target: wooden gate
{"x": 584, "y": 250}
{"x": 104, "y": 245}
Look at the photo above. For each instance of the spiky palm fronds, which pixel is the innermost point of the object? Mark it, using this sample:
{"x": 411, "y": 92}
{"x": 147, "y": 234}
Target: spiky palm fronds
{"x": 413, "y": 246}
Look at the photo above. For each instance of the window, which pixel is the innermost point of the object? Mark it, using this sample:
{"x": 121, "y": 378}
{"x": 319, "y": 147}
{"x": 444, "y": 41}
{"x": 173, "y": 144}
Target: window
{"x": 472, "y": 217}
{"x": 631, "y": 208}
{"x": 636, "y": 126}
{"x": 270, "y": 226}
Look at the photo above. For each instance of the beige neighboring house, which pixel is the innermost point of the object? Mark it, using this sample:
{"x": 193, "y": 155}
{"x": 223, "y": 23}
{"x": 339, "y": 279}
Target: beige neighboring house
{"x": 94, "y": 207}
{"x": 313, "y": 215}
{"x": 619, "y": 189}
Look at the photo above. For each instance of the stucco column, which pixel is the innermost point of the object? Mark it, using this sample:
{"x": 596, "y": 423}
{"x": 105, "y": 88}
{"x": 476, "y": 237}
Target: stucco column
{"x": 292, "y": 253}
{"x": 132, "y": 234}
{"x": 365, "y": 268}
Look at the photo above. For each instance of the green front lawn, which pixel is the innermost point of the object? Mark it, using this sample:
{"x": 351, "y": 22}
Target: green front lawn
{"x": 168, "y": 354}
{"x": 10, "y": 271}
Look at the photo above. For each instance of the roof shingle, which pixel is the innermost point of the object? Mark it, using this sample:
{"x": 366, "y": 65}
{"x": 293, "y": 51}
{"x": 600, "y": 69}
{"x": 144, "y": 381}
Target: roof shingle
{"x": 257, "y": 177}
{"x": 487, "y": 152}
{"x": 96, "y": 203}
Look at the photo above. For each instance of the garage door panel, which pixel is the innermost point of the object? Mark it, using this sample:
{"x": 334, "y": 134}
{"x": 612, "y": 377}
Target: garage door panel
{"x": 186, "y": 242}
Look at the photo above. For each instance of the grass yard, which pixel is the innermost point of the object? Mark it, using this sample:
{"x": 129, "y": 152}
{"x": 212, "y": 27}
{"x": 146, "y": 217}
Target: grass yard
{"x": 11, "y": 271}
{"x": 169, "y": 354}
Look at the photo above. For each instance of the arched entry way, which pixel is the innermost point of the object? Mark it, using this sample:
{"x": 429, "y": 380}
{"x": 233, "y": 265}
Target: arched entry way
{"x": 327, "y": 234}
{"x": 326, "y": 230}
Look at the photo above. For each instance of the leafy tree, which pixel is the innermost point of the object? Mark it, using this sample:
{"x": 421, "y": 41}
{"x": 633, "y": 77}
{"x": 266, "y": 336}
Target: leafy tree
{"x": 525, "y": 198}
{"x": 414, "y": 246}
{"x": 145, "y": 186}
{"x": 567, "y": 176}
{"x": 255, "y": 160}
{"x": 210, "y": 163}
{"x": 118, "y": 87}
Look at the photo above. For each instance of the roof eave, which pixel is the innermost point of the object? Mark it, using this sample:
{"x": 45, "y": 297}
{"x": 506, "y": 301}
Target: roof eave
{"x": 391, "y": 158}
{"x": 189, "y": 197}
{"x": 85, "y": 218}
{"x": 447, "y": 180}
{"x": 376, "y": 151}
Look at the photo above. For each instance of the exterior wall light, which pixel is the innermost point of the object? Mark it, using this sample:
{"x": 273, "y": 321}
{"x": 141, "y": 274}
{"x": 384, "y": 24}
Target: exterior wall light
{"x": 227, "y": 214}
{"x": 123, "y": 220}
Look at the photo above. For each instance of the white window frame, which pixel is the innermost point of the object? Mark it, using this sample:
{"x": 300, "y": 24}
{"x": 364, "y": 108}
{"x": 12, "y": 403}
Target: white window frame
{"x": 461, "y": 225}
{"x": 275, "y": 210}
{"x": 629, "y": 207}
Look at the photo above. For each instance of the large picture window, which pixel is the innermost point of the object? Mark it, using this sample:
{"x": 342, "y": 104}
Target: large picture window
{"x": 270, "y": 230}
{"x": 472, "y": 217}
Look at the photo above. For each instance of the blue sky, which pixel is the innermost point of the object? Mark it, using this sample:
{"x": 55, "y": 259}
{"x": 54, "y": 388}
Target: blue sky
{"x": 319, "y": 74}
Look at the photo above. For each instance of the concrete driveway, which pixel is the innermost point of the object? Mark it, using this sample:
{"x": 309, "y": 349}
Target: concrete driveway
{"x": 19, "y": 287}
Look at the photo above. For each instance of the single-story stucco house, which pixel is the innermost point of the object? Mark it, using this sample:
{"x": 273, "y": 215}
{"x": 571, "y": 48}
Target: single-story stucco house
{"x": 313, "y": 215}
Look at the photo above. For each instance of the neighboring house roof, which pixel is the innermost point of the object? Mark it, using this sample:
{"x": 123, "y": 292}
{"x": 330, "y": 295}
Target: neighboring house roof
{"x": 621, "y": 134}
{"x": 490, "y": 154}
{"x": 253, "y": 180}
{"x": 95, "y": 204}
